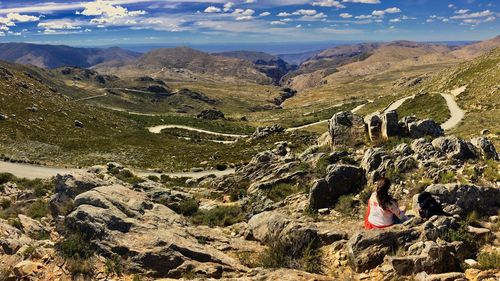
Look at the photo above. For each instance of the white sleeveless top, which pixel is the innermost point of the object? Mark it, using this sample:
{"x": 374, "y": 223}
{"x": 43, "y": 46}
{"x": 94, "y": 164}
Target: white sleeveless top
{"x": 380, "y": 217}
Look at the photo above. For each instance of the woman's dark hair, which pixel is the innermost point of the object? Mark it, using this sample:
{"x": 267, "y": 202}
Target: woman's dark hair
{"x": 383, "y": 196}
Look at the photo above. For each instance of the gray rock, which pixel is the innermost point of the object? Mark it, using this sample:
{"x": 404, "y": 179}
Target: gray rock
{"x": 433, "y": 258}
{"x": 375, "y": 163}
{"x": 211, "y": 114}
{"x": 423, "y": 128}
{"x": 466, "y": 198}
{"x": 68, "y": 186}
{"x": 454, "y": 148}
{"x": 346, "y": 129}
{"x": 78, "y": 124}
{"x": 485, "y": 147}
{"x": 263, "y": 132}
{"x": 367, "y": 249}
{"x": 3, "y": 117}
{"x": 390, "y": 125}
{"x": 340, "y": 180}
{"x": 11, "y": 238}
{"x": 150, "y": 236}
{"x": 375, "y": 128}
{"x": 33, "y": 228}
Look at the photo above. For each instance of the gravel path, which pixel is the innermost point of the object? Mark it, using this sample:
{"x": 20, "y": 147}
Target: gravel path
{"x": 457, "y": 114}
{"x": 33, "y": 171}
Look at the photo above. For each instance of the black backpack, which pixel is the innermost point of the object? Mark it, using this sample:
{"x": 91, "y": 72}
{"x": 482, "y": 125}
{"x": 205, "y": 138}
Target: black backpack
{"x": 429, "y": 206}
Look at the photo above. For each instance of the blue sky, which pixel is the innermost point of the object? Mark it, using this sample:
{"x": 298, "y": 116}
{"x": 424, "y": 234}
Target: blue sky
{"x": 120, "y": 22}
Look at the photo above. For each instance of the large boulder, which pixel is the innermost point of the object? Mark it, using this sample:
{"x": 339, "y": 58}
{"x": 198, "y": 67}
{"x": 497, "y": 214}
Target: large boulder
{"x": 485, "y": 147}
{"x": 262, "y": 132}
{"x": 211, "y": 114}
{"x": 454, "y": 148}
{"x": 374, "y": 128}
{"x": 340, "y": 180}
{"x": 423, "y": 128}
{"x": 461, "y": 198}
{"x": 367, "y": 249}
{"x": 68, "y": 186}
{"x": 273, "y": 227}
{"x": 11, "y": 239}
{"x": 346, "y": 129}
{"x": 427, "y": 256}
{"x": 390, "y": 125}
{"x": 375, "y": 162}
{"x": 151, "y": 237}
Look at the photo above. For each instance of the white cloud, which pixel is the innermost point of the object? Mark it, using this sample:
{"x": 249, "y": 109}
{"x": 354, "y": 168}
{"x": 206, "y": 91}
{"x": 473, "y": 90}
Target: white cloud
{"x": 298, "y": 26}
{"x": 393, "y": 10}
{"x": 345, "y": 15}
{"x": 362, "y": 17}
{"x": 462, "y": 11}
{"x": 244, "y": 18}
{"x": 395, "y": 20}
{"x": 318, "y": 16}
{"x": 284, "y": 14}
{"x": 212, "y": 9}
{"x": 62, "y": 24}
{"x": 109, "y": 14}
{"x": 451, "y": 6}
{"x": 277, "y": 22}
{"x": 378, "y": 13}
{"x": 328, "y": 3}
{"x": 363, "y": 1}
{"x": 490, "y": 19}
{"x": 4, "y": 28}
{"x": 265, "y": 14}
{"x": 429, "y": 20}
{"x": 228, "y": 6}
{"x": 485, "y": 13}
{"x": 303, "y": 12}
{"x": 250, "y": 1}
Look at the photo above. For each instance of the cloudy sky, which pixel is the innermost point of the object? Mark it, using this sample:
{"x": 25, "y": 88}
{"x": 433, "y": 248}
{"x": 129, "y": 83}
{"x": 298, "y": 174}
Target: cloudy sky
{"x": 108, "y": 22}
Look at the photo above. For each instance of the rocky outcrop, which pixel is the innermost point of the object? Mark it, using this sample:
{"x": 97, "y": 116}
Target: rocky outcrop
{"x": 462, "y": 199}
{"x": 429, "y": 257}
{"x": 390, "y": 125}
{"x": 423, "y": 128}
{"x": 211, "y": 114}
{"x": 485, "y": 147}
{"x": 454, "y": 148}
{"x": 149, "y": 236}
{"x": 340, "y": 180}
{"x": 262, "y": 132}
{"x": 346, "y": 129}
{"x": 367, "y": 249}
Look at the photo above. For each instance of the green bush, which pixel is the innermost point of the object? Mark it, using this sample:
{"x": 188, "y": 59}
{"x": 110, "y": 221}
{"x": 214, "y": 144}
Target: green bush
{"x": 462, "y": 234}
{"x": 489, "y": 260}
{"x": 346, "y": 205}
{"x": 6, "y": 177}
{"x": 113, "y": 266}
{"x": 153, "y": 178}
{"x": 277, "y": 255}
{"x": 128, "y": 177}
{"x": 218, "y": 216}
{"x": 447, "y": 177}
{"x": 38, "y": 209}
{"x": 186, "y": 207}
{"x": 5, "y": 203}
{"x": 280, "y": 191}
{"x": 221, "y": 167}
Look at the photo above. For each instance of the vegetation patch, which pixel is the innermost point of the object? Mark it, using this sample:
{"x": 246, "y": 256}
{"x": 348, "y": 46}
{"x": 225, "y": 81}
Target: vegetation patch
{"x": 218, "y": 216}
{"x": 279, "y": 255}
{"x": 280, "y": 191}
{"x": 431, "y": 106}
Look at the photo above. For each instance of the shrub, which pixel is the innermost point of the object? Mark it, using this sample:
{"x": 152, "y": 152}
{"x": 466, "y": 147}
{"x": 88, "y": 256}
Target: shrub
{"x": 128, "y": 177}
{"x": 489, "y": 260}
{"x": 6, "y": 177}
{"x": 218, "y": 216}
{"x": 346, "y": 205}
{"x": 221, "y": 167}
{"x": 113, "y": 266}
{"x": 76, "y": 245}
{"x": 447, "y": 177}
{"x": 280, "y": 191}
{"x": 237, "y": 194}
{"x": 38, "y": 209}
{"x": 491, "y": 171}
{"x": 186, "y": 207}
{"x": 15, "y": 222}
{"x": 80, "y": 266}
{"x": 462, "y": 234}
{"x": 5, "y": 203}
{"x": 153, "y": 178}
{"x": 278, "y": 255}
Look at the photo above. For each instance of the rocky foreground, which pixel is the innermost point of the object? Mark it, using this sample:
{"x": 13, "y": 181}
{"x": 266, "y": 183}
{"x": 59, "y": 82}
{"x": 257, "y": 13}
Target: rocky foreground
{"x": 286, "y": 215}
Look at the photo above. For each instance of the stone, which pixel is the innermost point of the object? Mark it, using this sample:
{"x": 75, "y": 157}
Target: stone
{"x": 68, "y": 186}
{"x": 346, "y": 129}
{"x": 78, "y": 124}
{"x": 462, "y": 199}
{"x": 449, "y": 276}
{"x": 454, "y": 148}
{"x": 33, "y": 228}
{"x": 390, "y": 125}
{"x": 154, "y": 238}
{"x": 374, "y": 128}
{"x": 3, "y": 117}
{"x": 485, "y": 147}
{"x": 26, "y": 268}
{"x": 375, "y": 163}
{"x": 262, "y": 132}
{"x": 367, "y": 249}
{"x": 340, "y": 180}
{"x": 432, "y": 258}
{"x": 423, "y": 128}
{"x": 211, "y": 114}
{"x": 11, "y": 238}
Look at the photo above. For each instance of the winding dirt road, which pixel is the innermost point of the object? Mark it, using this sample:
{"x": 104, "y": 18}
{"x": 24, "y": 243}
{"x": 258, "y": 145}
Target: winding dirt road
{"x": 33, "y": 171}
{"x": 457, "y": 114}
{"x": 158, "y": 129}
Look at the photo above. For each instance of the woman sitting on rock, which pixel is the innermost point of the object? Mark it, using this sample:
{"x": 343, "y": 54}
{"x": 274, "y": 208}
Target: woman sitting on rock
{"x": 383, "y": 210}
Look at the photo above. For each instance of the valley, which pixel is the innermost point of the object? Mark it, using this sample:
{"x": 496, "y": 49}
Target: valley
{"x": 242, "y": 165}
